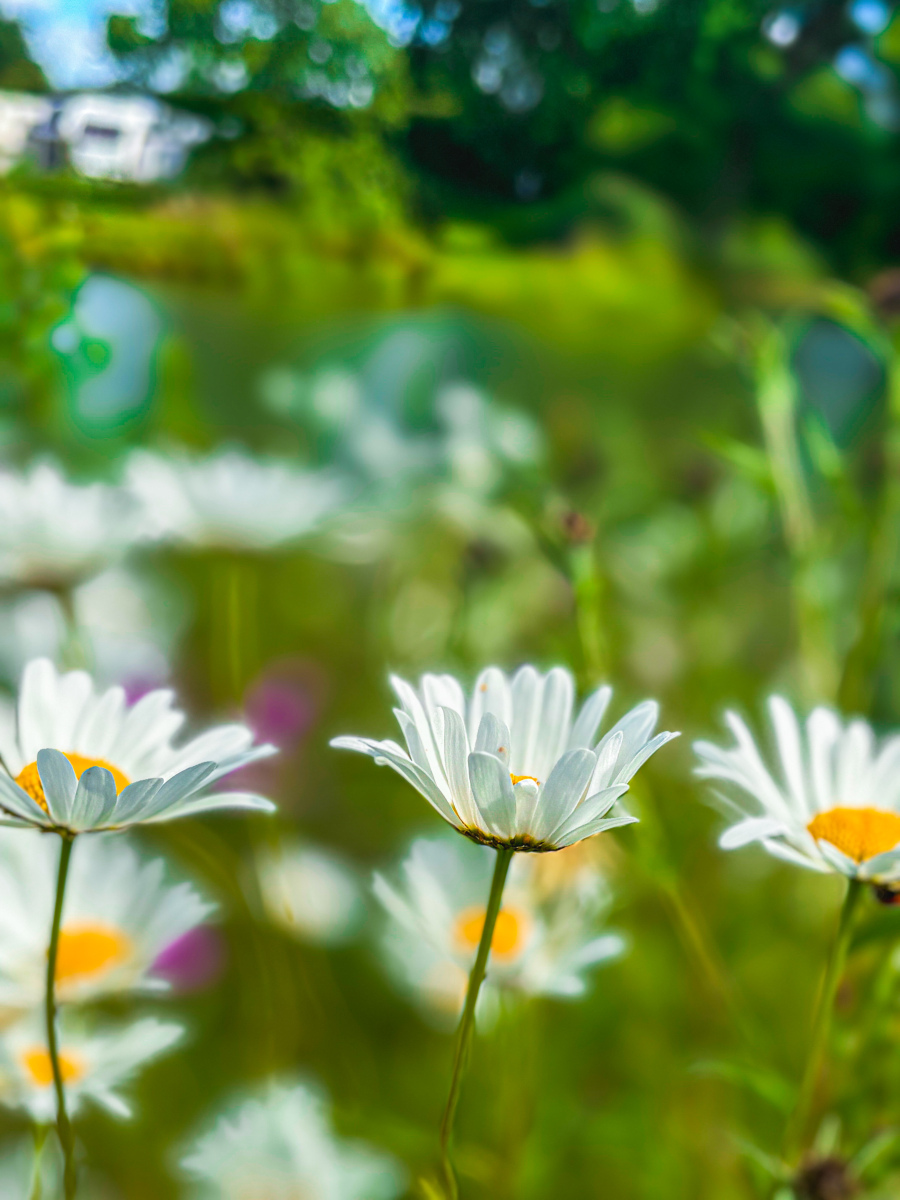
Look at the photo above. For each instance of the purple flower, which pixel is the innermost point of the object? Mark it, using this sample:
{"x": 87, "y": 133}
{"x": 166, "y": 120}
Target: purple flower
{"x": 193, "y": 961}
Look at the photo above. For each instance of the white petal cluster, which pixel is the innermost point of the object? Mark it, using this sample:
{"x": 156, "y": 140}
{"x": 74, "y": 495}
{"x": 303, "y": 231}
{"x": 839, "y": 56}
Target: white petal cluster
{"x": 309, "y": 892}
{"x": 61, "y": 714}
{"x": 231, "y": 500}
{"x": 279, "y": 1145}
{"x": 119, "y": 914}
{"x": 94, "y": 1065}
{"x": 510, "y": 766}
{"x": 825, "y": 765}
{"x": 436, "y": 906}
{"x": 55, "y": 534}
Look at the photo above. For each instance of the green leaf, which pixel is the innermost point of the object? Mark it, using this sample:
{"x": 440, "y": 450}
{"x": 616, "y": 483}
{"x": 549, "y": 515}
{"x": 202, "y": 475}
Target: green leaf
{"x": 768, "y": 1085}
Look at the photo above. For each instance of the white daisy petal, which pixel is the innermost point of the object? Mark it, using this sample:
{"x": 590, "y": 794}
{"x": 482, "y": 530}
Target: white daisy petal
{"x": 59, "y": 783}
{"x": 837, "y": 805}
{"x": 529, "y": 768}
{"x": 491, "y": 695}
{"x": 391, "y": 755}
{"x": 564, "y": 791}
{"x": 456, "y": 756}
{"x": 94, "y": 801}
{"x": 66, "y": 732}
{"x": 493, "y": 737}
{"x": 593, "y": 809}
{"x": 590, "y": 828}
{"x": 493, "y": 792}
{"x": 630, "y": 769}
{"x": 788, "y": 854}
{"x": 585, "y": 728}
{"x": 527, "y": 696}
{"x": 754, "y": 829}
{"x": 787, "y": 735}
{"x": 16, "y": 801}
{"x": 837, "y": 859}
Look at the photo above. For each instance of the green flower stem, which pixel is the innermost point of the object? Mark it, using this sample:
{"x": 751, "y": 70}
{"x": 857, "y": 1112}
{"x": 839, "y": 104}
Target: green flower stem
{"x": 587, "y": 586}
{"x": 73, "y": 654}
{"x": 834, "y": 969}
{"x": 776, "y": 397}
{"x": 40, "y": 1139}
{"x": 466, "y": 1025}
{"x": 63, "y": 1125}
{"x": 233, "y": 628}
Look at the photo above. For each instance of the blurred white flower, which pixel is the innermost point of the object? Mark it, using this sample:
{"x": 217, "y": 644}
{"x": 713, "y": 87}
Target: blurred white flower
{"x": 544, "y": 942}
{"x": 119, "y": 915}
{"x": 510, "y": 768}
{"x": 231, "y": 500}
{"x": 834, "y": 802}
{"x": 280, "y": 1146}
{"x": 79, "y": 760}
{"x": 481, "y": 440}
{"x": 127, "y": 623}
{"x": 55, "y": 534}
{"x": 309, "y": 892}
{"x": 92, "y": 1065}
{"x": 18, "y": 1169}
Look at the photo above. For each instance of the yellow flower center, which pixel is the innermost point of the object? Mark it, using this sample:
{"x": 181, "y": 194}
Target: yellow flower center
{"x": 518, "y": 779}
{"x": 30, "y": 781}
{"x": 509, "y": 931}
{"x": 86, "y": 950}
{"x": 860, "y": 833}
{"x": 37, "y": 1064}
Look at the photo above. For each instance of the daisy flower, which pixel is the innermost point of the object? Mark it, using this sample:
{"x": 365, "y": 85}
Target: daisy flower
{"x": 93, "y": 1066}
{"x": 119, "y": 915}
{"x": 309, "y": 893}
{"x": 55, "y": 534}
{"x": 78, "y": 760}
{"x": 831, "y": 801}
{"x": 510, "y": 768}
{"x": 540, "y": 946}
{"x": 279, "y": 1145}
{"x": 231, "y": 500}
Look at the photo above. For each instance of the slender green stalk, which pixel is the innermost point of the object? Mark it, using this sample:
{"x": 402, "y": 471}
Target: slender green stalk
{"x": 587, "y": 586}
{"x": 776, "y": 398}
{"x": 464, "y": 1035}
{"x": 73, "y": 653}
{"x": 233, "y": 645}
{"x": 821, "y": 1025}
{"x": 860, "y": 669}
{"x": 40, "y": 1139}
{"x": 63, "y": 1125}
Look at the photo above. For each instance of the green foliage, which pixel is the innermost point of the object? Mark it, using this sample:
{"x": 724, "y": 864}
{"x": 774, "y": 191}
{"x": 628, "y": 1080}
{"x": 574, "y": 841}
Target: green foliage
{"x": 17, "y": 70}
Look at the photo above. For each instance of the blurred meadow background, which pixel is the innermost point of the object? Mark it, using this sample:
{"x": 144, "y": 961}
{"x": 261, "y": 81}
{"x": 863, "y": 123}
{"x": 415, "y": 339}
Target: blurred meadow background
{"x": 585, "y": 308}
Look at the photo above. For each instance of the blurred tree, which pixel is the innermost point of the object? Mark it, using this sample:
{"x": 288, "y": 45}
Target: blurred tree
{"x": 17, "y": 71}
{"x": 290, "y": 49}
{"x": 721, "y": 105}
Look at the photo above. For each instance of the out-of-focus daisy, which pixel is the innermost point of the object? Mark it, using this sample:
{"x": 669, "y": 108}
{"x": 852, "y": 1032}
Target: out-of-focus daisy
{"x": 309, "y": 892}
{"x": 119, "y": 915}
{"x": 280, "y": 1146}
{"x": 541, "y": 945}
{"x": 19, "y": 1167}
{"x": 55, "y": 534}
{"x": 93, "y": 1066}
{"x": 127, "y": 624}
{"x": 230, "y": 500}
{"x": 510, "y": 768}
{"x": 832, "y": 802}
{"x": 77, "y": 760}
